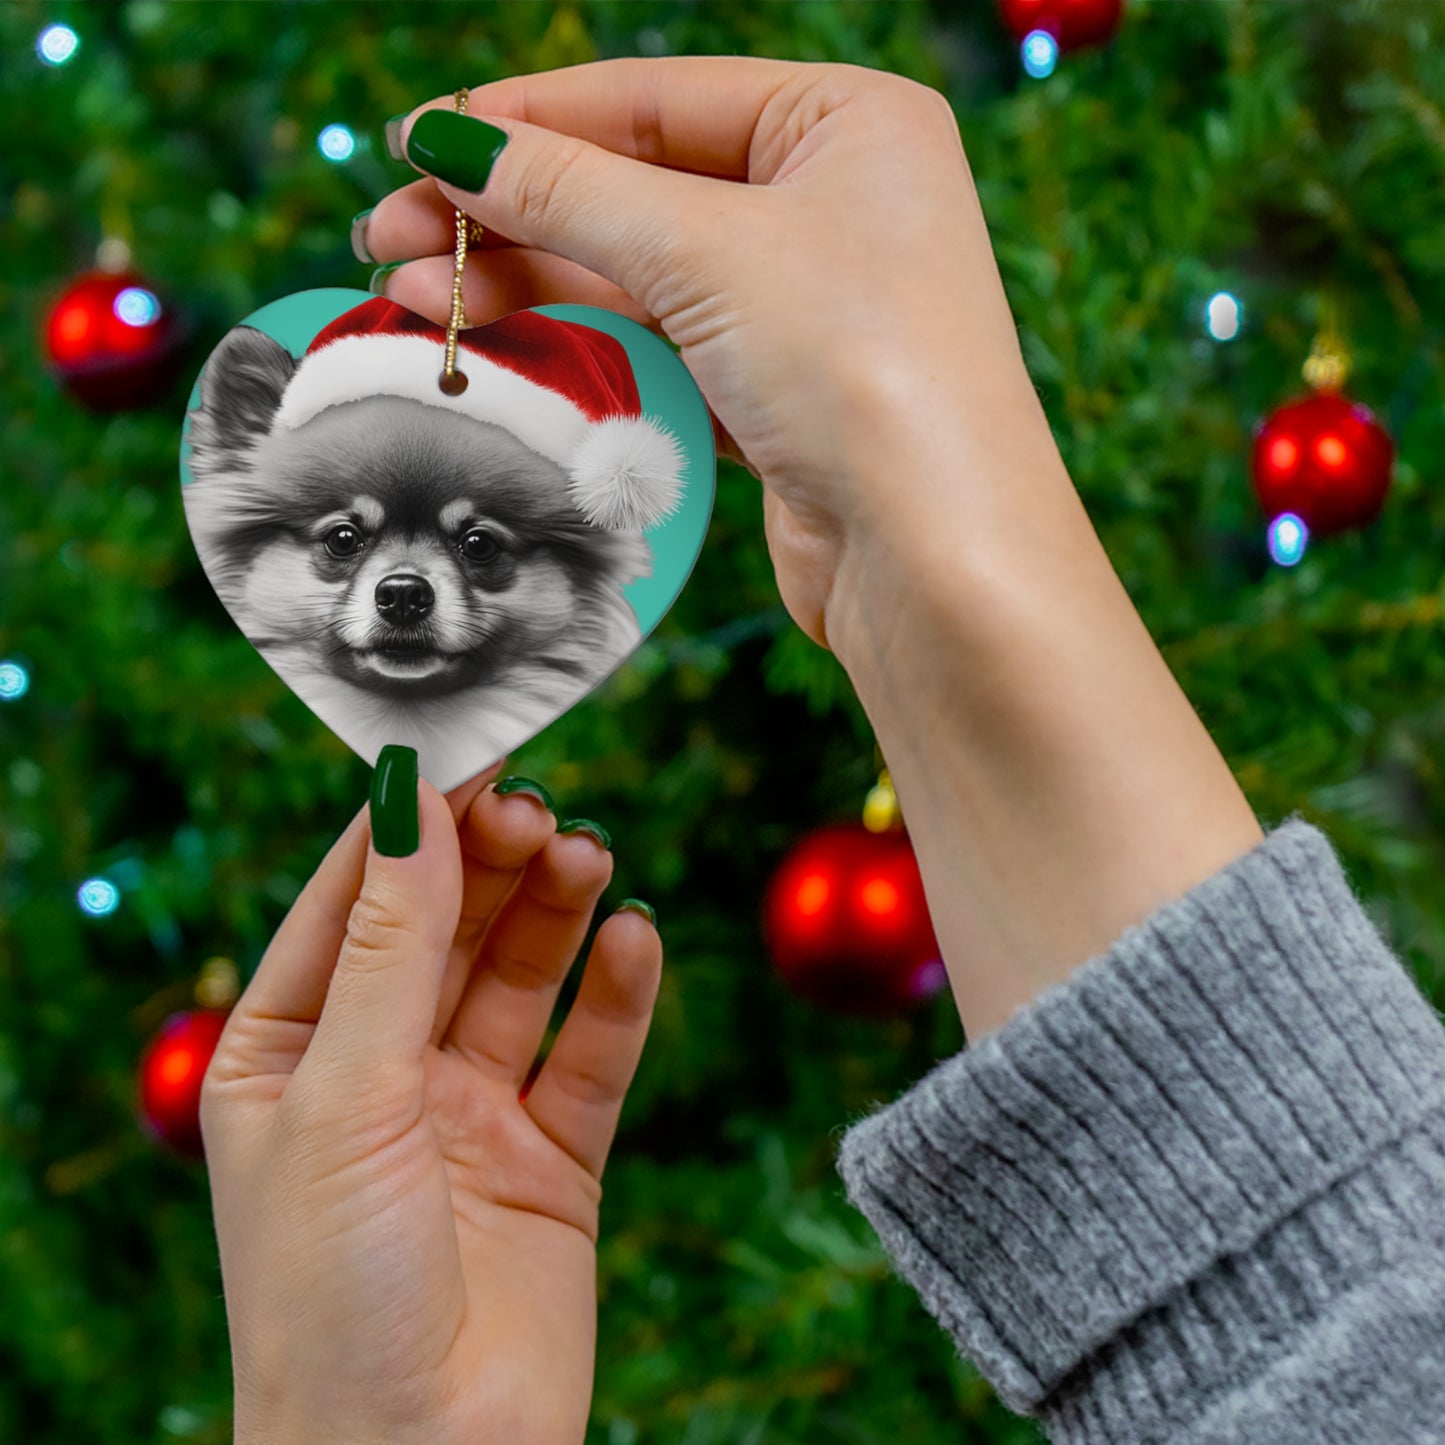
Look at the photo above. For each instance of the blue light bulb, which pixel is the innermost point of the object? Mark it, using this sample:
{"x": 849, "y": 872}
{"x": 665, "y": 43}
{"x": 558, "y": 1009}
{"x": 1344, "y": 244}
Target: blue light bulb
{"x": 1288, "y": 538}
{"x": 1040, "y": 52}
{"x": 57, "y": 44}
{"x": 1223, "y": 316}
{"x": 137, "y": 307}
{"x": 98, "y": 897}
{"x": 14, "y": 681}
{"x": 336, "y": 143}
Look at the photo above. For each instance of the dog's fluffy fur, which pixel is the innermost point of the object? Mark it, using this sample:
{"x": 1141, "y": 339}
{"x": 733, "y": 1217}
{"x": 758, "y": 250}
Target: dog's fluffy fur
{"x": 417, "y": 577}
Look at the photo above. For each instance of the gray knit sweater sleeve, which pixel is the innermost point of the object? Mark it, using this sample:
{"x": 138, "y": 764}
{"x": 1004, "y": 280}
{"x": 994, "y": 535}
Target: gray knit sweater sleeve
{"x": 1197, "y": 1191}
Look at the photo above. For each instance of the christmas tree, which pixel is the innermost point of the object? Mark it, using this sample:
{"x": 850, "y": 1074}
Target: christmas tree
{"x": 1179, "y": 214}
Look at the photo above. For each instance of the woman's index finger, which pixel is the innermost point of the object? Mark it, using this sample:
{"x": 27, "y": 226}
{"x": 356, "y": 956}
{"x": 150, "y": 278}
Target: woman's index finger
{"x": 689, "y": 113}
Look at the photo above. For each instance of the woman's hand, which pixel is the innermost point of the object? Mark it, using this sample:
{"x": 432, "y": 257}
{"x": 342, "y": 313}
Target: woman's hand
{"x": 407, "y": 1247}
{"x": 841, "y": 299}
{"x": 810, "y": 237}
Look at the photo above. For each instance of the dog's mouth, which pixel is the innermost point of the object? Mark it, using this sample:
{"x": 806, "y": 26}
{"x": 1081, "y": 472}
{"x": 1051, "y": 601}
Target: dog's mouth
{"x": 405, "y": 661}
{"x": 408, "y": 668}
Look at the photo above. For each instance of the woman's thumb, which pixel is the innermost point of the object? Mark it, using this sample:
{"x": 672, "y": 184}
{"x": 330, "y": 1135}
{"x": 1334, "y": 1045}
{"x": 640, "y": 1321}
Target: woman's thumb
{"x": 382, "y": 1000}
{"x": 620, "y": 218}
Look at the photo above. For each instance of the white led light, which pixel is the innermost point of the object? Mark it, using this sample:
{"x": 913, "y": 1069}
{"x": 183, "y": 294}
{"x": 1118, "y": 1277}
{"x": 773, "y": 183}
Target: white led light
{"x": 1223, "y": 316}
{"x": 1288, "y": 537}
{"x": 14, "y": 681}
{"x": 57, "y": 44}
{"x": 336, "y": 143}
{"x": 98, "y": 897}
{"x": 137, "y": 307}
{"x": 1040, "y": 52}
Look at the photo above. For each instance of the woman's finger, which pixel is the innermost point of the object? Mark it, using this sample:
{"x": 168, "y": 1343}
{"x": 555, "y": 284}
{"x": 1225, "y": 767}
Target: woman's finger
{"x": 270, "y": 1025}
{"x": 499, "y": 834}
{"x": 415, "y": 220}
{"x": 496, "y": 283}
{"x": 617, "y": 217}
{"x": 502, "y": 1015}
{"x": 461, "y": 797}
{"x": 382, "y": 997}
{"x": 689, "y": 113}
{"x": 577, "y": 1097}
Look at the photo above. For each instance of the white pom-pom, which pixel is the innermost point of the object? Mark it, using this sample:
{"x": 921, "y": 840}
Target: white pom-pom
{"x": 627, "y": 474}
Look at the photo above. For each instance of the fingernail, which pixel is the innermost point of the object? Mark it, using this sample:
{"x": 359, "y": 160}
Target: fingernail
{"x": 395, "y": 812}
{"x": 393, "y": 136}
{"x": 377, "y": 284}
{"x": 455, "y": 148}
{"x": 586, "y": 825}
{"x": 359, "y": 248}
{"x": 636, "y": 905}
{"x": 526, "y": 785}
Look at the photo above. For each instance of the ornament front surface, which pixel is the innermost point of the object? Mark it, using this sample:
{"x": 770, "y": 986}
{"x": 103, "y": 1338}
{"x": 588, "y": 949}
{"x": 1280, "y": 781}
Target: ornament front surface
{"x": 1326, "y": 459}
{"x": 451, "y": 572}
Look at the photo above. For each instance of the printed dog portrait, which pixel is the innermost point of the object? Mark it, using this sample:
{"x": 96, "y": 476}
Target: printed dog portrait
{"x": 442, "y": 572}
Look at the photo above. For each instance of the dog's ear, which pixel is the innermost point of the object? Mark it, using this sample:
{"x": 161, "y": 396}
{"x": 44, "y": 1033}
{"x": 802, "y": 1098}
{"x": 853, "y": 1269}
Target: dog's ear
{"x": 241, "y": 389}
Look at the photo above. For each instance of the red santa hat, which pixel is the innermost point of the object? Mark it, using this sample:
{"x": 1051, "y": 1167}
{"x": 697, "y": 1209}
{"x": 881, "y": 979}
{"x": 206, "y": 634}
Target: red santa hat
{"x": 564, "y": 390}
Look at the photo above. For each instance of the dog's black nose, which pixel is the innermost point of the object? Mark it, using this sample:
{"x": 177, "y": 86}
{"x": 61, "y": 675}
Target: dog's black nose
{"x": 404, "y": 598}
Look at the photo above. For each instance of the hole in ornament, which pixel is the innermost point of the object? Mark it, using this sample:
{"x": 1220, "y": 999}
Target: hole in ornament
{"x": 453, "y": 385}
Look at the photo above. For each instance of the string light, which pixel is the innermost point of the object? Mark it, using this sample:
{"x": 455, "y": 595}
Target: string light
{"x": 336, "y": 143}
{"x": 98, "y": 897}
{"x": 1040, "y": 52}
{"x": 14, "y": 681}
{"x": 137, "y": 307}
{"x": 57, "y": 44}
{"x": 1223, "y": 316}
{"x": 1288, "y": 537}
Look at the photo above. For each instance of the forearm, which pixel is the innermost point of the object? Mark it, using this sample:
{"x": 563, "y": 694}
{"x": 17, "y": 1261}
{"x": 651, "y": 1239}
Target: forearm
{"x": 1056, "y": 782}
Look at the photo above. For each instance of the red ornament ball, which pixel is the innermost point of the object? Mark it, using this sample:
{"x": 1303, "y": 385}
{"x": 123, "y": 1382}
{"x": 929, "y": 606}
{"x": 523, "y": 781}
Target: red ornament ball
{"x": 1073, "y": 23}
{"x": 171, "y": 1071}
{"x": 847, "y": 923}
{"x": 1326, "y": 459}
{"x": 111, "y": 341}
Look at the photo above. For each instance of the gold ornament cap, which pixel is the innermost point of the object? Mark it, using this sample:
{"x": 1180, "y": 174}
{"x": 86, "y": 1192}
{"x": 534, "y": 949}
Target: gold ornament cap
{"x": 219, "y": 985}
{"x": 881, "y": 813}
{"x": 1328, "y": 365}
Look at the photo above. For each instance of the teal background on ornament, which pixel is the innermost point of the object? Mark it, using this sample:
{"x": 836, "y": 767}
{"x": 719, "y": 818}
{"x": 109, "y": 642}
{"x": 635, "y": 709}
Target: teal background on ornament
{"x": 664, "y": 384}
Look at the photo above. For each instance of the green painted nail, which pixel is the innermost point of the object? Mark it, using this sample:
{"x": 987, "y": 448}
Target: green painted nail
{"x": 455, "y": 148}
{"x": 526, "y": 785}
{"x": 359, "y": 248}
{"x": 395, "y": 812}
{"x": 377, "y": 284}
{"x": 636, "y": 905}
{"x": 392, "y": 132}
{"x": 586, "y": 825}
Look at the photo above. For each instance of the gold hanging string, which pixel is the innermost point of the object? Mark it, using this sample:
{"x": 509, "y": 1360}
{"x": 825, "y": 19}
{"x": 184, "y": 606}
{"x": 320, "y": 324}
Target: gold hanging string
{"x": 1328, "y": 366}
{"x": 452, "y": 381}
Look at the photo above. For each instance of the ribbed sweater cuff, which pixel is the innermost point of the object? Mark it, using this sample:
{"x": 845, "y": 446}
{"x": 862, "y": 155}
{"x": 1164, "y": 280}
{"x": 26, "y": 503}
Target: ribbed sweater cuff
{"x": 1146, "y": 1163}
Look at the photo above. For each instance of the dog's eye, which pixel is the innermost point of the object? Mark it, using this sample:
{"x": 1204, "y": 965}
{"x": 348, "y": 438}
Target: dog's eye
{"x": 343, "y": 540}
{"x": 479, "y": 546}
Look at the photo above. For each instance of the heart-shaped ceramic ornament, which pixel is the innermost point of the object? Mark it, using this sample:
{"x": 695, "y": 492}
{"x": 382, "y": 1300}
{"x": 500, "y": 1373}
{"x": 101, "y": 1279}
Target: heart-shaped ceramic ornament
{"x": 452, "y": 572}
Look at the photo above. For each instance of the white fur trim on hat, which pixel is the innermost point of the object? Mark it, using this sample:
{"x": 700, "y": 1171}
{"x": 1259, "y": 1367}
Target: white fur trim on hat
{"x": 627, "y": 473}
{"x": 408, "y": 366}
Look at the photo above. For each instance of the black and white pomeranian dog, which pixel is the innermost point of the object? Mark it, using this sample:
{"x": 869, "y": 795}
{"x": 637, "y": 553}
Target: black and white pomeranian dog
{"x": 441, "y": 572}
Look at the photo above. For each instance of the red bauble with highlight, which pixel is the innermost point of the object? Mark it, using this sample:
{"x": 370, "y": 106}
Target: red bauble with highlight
{"x": 847, "y": 923}
{"x": 112, "y": 342}
{"x": 1326, "y": 459}
{"x": 171, "y": 1072}
{"x": 1073, "y": 23}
